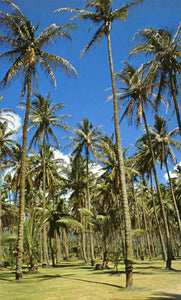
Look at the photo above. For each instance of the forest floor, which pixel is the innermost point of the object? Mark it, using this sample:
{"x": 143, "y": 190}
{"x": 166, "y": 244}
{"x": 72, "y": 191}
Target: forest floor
{"x": 75, "y": 281}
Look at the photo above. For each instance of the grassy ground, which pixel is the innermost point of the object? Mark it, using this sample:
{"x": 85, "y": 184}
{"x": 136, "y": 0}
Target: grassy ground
{"x": 75, "y": 281}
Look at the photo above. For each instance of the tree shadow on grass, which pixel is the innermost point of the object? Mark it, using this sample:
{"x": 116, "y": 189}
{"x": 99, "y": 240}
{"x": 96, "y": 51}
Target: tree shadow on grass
{"x": 70, "y": 277}
{"x": 165, "y": 296}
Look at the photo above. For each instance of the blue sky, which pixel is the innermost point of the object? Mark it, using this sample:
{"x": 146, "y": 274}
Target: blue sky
{"x": 86, "y": 96}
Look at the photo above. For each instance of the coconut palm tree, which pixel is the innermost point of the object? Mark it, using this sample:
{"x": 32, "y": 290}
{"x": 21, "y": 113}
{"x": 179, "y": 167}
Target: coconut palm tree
{"x": 6, "y": 144}
{"x": 101, "y": 14}
{"x": 76, "y": 183}
{"x": 45, "y": 171}
{"x": 136, "y": 96}
{"x": 86, "y": 138}
{"x": 43, "y": 118}
{"x": 163, "y": 142}
{"x": 25, "y": 53}
{"x": 32, "y": 227}
{"x": 165, "y": 65}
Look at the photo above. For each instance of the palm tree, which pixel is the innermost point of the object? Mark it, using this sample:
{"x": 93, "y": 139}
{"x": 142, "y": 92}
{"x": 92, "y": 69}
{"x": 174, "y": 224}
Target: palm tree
{"x": 43, "y": 118}
{"x": 6, "y": 144}
{"x": 87, "y": 138}
{"x": 45, "y": 171}
{"x": 32, "y": 227}
{"x": 76, "y": 183}
{"x": 163, "y": 141}
{"x": 26, "y": 52}
{"x": 165, "y": 66}
{"x": 102, "y": 15}
{"x": 136, "y": 96}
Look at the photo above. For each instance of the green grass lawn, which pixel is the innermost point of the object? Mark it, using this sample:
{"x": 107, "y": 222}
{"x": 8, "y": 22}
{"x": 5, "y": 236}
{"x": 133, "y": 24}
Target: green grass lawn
{"x": 75, "y": 281}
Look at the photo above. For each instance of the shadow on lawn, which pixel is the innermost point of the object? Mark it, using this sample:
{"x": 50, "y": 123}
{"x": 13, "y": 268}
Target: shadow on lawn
{"x": 165, "y": 296}
{"x": 70, "y": 277}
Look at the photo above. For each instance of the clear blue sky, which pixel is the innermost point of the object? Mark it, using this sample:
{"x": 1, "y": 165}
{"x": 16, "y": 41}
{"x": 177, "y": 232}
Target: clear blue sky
{"x": 86, "y": 96}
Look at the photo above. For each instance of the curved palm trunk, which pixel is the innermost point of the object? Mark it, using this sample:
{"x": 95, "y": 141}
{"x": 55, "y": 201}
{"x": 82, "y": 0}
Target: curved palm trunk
{"x": 128, "y": 239}
{"x": 169, "y": 247}
{"x": 19, "y": 258}
{"x": 174, "y": 200}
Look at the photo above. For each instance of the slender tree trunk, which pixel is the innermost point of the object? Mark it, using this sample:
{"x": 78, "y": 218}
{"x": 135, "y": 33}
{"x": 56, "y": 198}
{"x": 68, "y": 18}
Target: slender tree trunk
{"x": 174, "y": 95}
{"x": 169, "y": 247}
{"x": 66, "y": 243}
{"x": 174, "y": 200}
{"x": 91, "y": 237}
{"x": 83, "y": 239}
{"x": 146, "y": 230}
{"x": 139, "y": 223}
{"x": 44, "y": 229}
{"x": 128, "y": 239}
{"x": 164, "y": 253}
{"x": 57, "y": 245}
{"x": 19, "y": 258}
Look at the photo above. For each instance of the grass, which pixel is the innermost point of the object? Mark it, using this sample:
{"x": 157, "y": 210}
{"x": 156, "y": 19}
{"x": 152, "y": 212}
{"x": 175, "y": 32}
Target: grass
{"x": 75, "y": 281}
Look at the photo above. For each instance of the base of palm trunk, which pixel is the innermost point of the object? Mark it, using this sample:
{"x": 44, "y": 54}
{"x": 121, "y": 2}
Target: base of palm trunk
{"x": 129, "y": 274}
{"x": 18, "y": 275}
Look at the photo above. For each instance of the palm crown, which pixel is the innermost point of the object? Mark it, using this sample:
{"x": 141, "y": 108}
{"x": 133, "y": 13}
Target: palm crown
{"x": 26, "y": 50}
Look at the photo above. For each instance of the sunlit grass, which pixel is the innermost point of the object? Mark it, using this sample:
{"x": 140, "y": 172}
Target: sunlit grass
{"x": 75, "y": 281}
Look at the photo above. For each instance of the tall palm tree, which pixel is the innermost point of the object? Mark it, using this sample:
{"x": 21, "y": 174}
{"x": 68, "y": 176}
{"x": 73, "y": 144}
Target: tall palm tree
{"x": 136, "y": 96}
{"x": 165, "y": 66}
{"x": 6, "y": 144}
{"x": 25, "y": 53}
{"x": 102, "y": 15}
{"x": 163, "y": 142}
{"x": 43, "y": 118}
{"x": 87, "y": 138}
{"x": 143, "y": 163}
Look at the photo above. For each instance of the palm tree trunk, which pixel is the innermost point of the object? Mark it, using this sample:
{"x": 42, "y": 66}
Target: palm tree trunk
{"x": 146, "y": 228}
{"x": 44, "y": 229}
{"x": 83, "y": 238}
{"x": 174, "y": 200}
{"x": 169, "y": 247}
{"x": 164, "y": 254}
{"x": 173, "y": 92}
{"x": 66, "y": 243}
{"x": 57, "y": 247}
{"x": 128, "y": 239}
{"x": 19, "y": 258}
{"x": 139, "y": 223}
{"x": 91, "y": 237}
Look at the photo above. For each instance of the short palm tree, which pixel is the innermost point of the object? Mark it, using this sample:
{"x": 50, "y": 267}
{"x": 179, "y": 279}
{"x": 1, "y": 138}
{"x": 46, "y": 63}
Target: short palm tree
{"x": 25, "y": 53}
{"x": 101, "y": 14}
{"x": 165, "y": 65}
